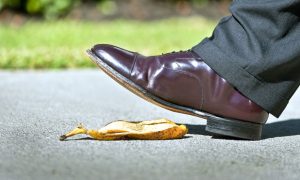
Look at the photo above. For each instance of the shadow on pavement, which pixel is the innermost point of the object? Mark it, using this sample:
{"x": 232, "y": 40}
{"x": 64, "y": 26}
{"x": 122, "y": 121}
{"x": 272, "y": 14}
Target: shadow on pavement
{"x": 290, "y": 127}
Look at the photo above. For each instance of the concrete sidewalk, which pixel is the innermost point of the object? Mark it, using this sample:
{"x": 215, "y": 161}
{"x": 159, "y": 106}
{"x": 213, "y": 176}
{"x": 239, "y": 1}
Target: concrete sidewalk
{"x": 36, "y": 107}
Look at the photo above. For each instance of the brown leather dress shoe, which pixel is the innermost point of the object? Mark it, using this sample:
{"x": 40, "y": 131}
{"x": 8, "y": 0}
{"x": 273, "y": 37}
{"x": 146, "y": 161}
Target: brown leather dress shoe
{"x": 182, "y": 82}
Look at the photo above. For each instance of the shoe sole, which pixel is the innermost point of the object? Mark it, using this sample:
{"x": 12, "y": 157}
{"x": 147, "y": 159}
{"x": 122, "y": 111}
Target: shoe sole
{"x": 216, "y": 125}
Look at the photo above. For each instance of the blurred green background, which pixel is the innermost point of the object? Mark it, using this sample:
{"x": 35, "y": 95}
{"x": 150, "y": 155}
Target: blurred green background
{"x": 39, "y": 34}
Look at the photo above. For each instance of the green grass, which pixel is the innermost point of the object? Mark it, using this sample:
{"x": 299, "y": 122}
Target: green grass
{"x": 62, "y": 44}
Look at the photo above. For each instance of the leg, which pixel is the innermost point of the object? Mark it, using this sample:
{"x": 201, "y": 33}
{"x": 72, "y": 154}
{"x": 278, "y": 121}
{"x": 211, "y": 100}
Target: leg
{"x": 257, "y": 50}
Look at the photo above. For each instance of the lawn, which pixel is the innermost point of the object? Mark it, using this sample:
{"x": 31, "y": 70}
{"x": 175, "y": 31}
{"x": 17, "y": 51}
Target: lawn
{"x": 62, "y": 44}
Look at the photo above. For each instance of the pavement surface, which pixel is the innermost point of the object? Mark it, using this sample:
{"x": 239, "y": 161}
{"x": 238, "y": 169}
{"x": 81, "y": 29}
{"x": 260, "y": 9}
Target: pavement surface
{"x": 36, "y": 107}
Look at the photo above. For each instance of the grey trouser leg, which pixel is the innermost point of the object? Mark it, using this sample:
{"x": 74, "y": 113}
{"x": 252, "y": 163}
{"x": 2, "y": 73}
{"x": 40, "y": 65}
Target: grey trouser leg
{"x": 257, "y": 50}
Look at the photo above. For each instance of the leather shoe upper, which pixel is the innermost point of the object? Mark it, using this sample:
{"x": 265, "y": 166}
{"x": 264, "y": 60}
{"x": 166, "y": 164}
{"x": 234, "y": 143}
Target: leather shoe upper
{"x": 182, "y": 78}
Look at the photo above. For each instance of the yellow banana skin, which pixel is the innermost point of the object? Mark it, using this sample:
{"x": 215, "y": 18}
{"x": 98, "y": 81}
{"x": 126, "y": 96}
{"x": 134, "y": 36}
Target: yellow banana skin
{"x": 160, "y": 129}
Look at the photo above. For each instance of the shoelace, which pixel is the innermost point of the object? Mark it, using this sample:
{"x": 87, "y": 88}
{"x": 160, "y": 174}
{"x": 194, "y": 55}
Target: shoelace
{"x": 181, "y": 51}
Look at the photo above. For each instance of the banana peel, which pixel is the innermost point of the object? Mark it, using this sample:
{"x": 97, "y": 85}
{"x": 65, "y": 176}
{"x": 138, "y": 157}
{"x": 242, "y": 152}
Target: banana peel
{"x": 160, "y": 129}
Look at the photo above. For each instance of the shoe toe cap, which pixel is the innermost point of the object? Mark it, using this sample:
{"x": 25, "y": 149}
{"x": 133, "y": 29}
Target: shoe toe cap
{"x": 119, "y": 59}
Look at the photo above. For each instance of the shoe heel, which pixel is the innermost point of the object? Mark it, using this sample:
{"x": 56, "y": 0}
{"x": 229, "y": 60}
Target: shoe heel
{"x": 234, "y": 128}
